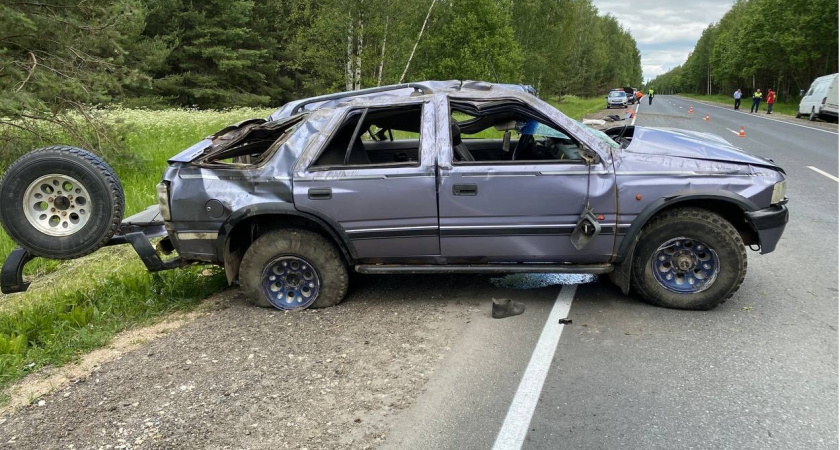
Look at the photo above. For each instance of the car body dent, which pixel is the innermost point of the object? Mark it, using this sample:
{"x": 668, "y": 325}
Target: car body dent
{"x": 670, "y": 142}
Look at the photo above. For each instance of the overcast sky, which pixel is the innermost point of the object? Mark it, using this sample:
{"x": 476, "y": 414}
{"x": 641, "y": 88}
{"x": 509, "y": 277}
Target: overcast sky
{"x": 665, "y": 30}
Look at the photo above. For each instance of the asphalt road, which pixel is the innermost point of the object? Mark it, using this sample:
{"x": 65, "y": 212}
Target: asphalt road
{"x": 760, "y": 371}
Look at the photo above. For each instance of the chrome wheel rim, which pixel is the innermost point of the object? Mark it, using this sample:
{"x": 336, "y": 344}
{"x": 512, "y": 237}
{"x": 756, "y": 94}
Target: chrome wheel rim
{"x": 685, "y": 266}
{"x": 291, "y": 282}
{"x": 57, "y": 205}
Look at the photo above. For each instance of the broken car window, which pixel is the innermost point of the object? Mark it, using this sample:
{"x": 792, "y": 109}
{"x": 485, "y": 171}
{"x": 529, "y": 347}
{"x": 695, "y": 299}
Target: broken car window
{"x": 251, "y": 142}
{"x": 374, "y": 137}
{"x": 507, "y": 134}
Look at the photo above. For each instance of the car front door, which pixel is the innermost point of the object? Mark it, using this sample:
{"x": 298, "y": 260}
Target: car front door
{"x": 522, "y": 211}
{"x": 380, "y": 190}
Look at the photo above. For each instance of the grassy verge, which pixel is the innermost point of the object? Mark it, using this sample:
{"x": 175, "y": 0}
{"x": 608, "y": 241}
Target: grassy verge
{"x": 75, "y": 306}
{"x": 788, "y": 109}
{"x": 576, "y": 107}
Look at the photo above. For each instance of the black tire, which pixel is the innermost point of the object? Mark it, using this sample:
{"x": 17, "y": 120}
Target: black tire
{"x": 97, "y": 218}
{"x": 690, "y": 224}
{"x": 308, "y": 246}
{"x": 798, "y": 114}
{"x": 813, "y": 116}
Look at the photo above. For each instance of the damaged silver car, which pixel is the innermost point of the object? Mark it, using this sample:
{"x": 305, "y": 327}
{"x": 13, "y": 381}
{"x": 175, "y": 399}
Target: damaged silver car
{"x": 432, "y": 177}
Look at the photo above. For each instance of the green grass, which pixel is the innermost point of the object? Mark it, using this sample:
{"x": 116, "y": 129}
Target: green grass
{"x": 75, "y": 306}
{"x": 576, "y": 107}
{"x": 788, "y": 109}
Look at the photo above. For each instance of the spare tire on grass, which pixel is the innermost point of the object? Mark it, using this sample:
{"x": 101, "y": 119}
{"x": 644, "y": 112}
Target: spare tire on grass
{"x": 60, "y": 202}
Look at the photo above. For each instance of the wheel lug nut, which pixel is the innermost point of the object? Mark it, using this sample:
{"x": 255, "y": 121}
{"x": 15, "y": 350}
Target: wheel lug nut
{"x": 63, "y": 213}
{"x": 50, "y": 199}
{"x": 59, "y": 192}
{"x": 52, "y": 209}
{"x": 70, "y": 197}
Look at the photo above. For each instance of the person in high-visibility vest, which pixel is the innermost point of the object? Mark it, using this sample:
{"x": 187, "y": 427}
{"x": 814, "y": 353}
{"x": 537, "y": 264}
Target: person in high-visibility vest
{"x": 650, "y": 96}
{"x": 756, "y": 101}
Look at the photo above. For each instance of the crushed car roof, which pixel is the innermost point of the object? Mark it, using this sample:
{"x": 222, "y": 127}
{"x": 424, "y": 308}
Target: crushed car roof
{"x": 409, "y": 92}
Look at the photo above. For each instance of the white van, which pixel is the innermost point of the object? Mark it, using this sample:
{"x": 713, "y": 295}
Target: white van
{"x": 820, "y": 100}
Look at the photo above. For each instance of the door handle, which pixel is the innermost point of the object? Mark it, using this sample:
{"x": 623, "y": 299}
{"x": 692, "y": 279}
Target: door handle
{"x": 465, "y": 189}
{"x": 320, "y": 193}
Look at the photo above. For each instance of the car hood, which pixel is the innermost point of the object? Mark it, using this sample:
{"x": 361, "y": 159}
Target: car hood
{"x": 679, "y": 143}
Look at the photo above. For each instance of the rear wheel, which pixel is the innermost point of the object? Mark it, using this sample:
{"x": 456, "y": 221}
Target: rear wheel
{"x": 798, "y": 114}
{"x": 293, "y": 269}
{"x": 689, "y": 258}
{"x": 813, "y": 116}
{"x": 60, "y": 202}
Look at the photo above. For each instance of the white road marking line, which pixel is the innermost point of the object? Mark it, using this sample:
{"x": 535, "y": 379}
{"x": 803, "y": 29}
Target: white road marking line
{"x": 733, "y": 131}
{"x": 636, "y": 114}
{"x": 521, "y": 410}
{"x": 767, "y": 118}
{"x": 824, "y": 173}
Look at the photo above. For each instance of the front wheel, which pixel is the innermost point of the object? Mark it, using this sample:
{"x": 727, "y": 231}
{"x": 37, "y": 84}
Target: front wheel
{"x": 293, "y": 269}
{"x": 689, "y": 258}
{"x": 813, "y": 115}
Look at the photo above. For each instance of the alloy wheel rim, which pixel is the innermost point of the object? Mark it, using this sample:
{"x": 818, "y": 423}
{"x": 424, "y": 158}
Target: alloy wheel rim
{"x": 57, "y": 205}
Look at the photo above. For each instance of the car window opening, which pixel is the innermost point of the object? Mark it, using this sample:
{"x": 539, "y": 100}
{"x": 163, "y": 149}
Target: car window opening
{"x": 375, "y": 137}
{"x": 250, "y": 144}
{"x": 508, "y": 135}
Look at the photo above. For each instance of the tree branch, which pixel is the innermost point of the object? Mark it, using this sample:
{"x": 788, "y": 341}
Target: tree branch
{"x": 31, "y": 71}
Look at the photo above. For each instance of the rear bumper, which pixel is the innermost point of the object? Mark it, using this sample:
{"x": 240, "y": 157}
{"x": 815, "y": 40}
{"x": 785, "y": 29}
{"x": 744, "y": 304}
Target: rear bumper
{"x": 769, "y": 223}
{"x": 11, "y": 274}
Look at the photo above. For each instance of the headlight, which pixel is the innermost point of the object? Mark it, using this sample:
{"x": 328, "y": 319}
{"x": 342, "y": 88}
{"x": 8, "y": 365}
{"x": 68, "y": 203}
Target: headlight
{"x": 779, "y": 191}
{"x": 163, "y": 200}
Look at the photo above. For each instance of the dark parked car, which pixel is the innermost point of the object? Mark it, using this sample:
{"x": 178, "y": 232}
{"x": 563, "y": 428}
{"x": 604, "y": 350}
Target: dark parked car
{"x": 433, "y": 177}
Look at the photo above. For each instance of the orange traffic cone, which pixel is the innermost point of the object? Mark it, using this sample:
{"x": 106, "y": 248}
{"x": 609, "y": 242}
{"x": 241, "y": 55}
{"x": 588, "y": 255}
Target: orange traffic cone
{"x": 691, "y": 110}
{"x": 707, "y": 118}
{"x": 741, "y": 133}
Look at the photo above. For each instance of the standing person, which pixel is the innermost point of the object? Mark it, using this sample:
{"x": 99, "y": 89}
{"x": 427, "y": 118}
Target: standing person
{"x": 639, "y": 96}
{"x": 737, "y": 96}
{"x": 756, "y": 101}
{"x": 650, "y": 96}
{"x": 771, "y": 99}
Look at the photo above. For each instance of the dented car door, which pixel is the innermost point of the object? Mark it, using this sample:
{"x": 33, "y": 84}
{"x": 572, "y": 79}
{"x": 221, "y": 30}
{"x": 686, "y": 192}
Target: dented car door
{"x": 382, "y": 191}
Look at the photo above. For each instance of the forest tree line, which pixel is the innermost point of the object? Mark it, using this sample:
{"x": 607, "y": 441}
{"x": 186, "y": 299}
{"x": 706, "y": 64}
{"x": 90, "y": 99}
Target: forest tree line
{"x": 60, "y": 54}
{"x": 778, "y": 44}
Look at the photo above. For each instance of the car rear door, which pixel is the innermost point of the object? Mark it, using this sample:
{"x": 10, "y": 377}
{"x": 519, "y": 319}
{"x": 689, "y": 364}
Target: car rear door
{"x": 386, "y": 207}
